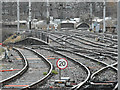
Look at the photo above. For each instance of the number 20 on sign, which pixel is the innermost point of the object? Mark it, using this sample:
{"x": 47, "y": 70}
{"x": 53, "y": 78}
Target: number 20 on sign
{"x": 62, "y": 63}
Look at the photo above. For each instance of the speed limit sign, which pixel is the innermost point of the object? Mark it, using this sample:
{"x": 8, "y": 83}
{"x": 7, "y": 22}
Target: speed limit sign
{"x": 62, "y": 63}
{"x": 55, "y": 25}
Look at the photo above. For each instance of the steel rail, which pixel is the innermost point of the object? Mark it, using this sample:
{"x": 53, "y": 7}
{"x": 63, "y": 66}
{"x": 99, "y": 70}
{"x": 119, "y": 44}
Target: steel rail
{"x": 18, "y": 74}
{"x": 39, "y": 82}
{"x": 82, "y": 65}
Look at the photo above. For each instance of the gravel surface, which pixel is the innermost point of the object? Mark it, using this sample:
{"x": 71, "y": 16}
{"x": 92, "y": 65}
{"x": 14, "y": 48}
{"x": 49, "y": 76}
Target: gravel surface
{"x": 93, "y": 66}
{"x": 84, "y": 45}
{"x": 89, "y": 36}
{"x": 14, "y": 62}
{"x": 75, "y": 72}
{"x": 106, "y": 59}
{"x": 107, "y": 75}
{"x": 35, "y": 72}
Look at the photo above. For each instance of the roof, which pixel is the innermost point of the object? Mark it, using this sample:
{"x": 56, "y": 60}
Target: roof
{"x": 110, "y": 23}
{"x": 77, "y": 26}
{"x": 68, "y": 21}
{"x": 97, "y": 20}
{"x": 100, "y": 20}
{"x": 22, "y": 21}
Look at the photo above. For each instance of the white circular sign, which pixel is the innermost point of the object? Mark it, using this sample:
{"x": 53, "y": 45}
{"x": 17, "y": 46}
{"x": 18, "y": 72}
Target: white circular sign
{"x": 55, "y": 25}
{"x": 62, "y": 63}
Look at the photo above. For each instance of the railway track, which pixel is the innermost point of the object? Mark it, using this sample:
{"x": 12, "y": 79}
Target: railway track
{"x": 90, "y": 37}
{"x": 84, "y": 43}
{"x": 74, "y": 67}
{"x": 81, "y": 49}
{"x": 18, "y": 74}
{"x": 102, "y": 51}
{"x": 34, "y": 75}
{"x": 108, "y": 42}
{"x": 85, "y": 64}
{"x": 106, "y": 75}
{"x": 96, "y": 66}
{"x": 108, "y": 66}
{"x": 11, "y": 65}
{"x": 89, "y": 34}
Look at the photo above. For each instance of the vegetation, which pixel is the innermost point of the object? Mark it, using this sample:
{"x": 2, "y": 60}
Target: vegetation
{"x": 57, "y": 9}
{"x": 54, "y": 72}
{"x": 44, "y": 73}
{"x": 12, "y": 39}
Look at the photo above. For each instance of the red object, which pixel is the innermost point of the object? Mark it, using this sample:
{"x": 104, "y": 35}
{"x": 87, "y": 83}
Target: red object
{"x": 50, "y": 58}
{"x": 9, "y": 70}
{"x": 16, "y": 85}
{"x": 73, "y": 83}
{"x": 62, "y": 67}
{"x": 1, "y": 44}
{"x": 51, "y": 87}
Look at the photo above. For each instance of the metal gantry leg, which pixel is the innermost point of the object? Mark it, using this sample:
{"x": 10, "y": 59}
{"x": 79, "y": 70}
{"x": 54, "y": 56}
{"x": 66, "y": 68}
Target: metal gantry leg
{"x": 104, "y": 27}
{"x": 0, "y": 22}
{"x": 91, "y": 11}
{"x": 29, "y": 14}
{"x": 118, "y": 30}
{"x": 18, "y": 15}
{"x": 104, "y": 9}
{"x": 47, "y": 21}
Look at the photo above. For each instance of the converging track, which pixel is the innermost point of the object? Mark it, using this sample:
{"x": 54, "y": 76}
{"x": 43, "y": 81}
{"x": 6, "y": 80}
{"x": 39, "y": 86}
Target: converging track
{"x": 34, "y": 75}
{"x": 90, "y": 63}
{"x": 75, "y": 70}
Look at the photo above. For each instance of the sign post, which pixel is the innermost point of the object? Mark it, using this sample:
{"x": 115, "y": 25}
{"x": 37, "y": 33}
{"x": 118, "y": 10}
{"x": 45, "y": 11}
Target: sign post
{"x": 61, "y": 63}
{"x": 59, "y": 74}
